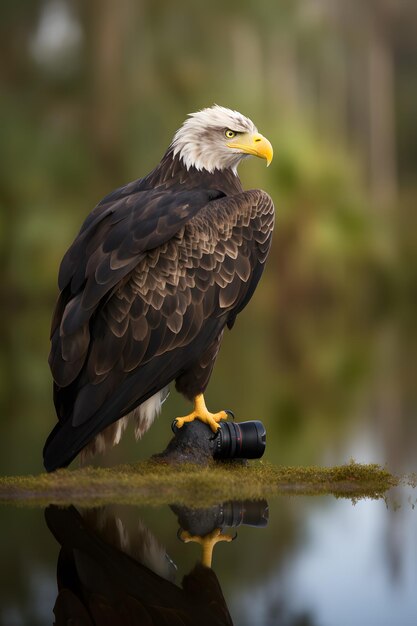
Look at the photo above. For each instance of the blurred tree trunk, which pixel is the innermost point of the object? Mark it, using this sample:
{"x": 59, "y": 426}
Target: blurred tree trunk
{"x": 107, "y": 26}
{"x": 283, "y": 75}
{"x": 382, "y": 150}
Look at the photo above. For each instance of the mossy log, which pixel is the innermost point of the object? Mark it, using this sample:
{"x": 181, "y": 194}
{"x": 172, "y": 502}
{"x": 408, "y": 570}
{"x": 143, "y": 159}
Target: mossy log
{"x": 193, "y": 443}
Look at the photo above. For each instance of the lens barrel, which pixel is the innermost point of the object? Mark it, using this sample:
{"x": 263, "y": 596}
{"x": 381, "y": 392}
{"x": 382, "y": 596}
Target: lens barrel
{"x": 244, "y": 440}
{"x": 247, "y": 512}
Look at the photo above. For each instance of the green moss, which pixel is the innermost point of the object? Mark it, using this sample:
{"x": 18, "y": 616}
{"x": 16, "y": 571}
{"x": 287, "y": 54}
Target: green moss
{"x": 411, "y": 480}
{"x": 150, "y": 483}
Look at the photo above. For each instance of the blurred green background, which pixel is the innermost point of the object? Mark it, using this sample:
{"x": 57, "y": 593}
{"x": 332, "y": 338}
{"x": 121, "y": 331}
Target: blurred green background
{"x": 92, "y": 93}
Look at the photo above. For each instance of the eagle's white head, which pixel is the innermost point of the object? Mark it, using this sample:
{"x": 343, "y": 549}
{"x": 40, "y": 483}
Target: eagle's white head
{"x": 217, "y": 138}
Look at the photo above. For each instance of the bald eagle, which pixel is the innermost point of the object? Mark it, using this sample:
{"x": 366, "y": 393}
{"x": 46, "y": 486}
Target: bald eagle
{"x": 159, "y": 269}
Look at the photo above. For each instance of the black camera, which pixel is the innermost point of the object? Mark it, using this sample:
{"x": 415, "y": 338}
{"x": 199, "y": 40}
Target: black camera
{"x": 244, "y": 440}
{"x": 246, "y": 512}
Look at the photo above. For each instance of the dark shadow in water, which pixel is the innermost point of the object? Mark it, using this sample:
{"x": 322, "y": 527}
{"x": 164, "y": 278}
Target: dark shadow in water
{"x": 107, "y": 574}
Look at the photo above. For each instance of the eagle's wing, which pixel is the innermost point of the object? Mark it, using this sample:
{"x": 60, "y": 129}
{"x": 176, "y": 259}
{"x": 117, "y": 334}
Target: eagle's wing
{"x": 161, "y": 316}
{"x": 111, "y": 242}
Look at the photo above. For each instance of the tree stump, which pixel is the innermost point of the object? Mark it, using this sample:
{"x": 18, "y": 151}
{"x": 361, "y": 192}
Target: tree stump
{"x": 193, "y": 443}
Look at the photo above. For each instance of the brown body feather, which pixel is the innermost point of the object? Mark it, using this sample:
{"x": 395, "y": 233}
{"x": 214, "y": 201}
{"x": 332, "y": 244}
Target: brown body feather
{"x": 159, "y": 268}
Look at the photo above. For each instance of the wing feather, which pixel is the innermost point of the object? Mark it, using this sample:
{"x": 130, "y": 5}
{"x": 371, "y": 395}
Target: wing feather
{"x": 110, "y": 244}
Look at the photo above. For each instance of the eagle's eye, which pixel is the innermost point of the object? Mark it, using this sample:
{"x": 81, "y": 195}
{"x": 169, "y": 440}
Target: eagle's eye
{"x": 229, "y": 133}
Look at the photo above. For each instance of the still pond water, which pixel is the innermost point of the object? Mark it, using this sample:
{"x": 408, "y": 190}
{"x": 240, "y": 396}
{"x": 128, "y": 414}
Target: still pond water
{"x": 294, "y": 561}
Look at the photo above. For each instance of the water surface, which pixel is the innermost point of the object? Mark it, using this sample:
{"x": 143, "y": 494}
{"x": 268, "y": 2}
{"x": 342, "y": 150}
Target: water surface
{"x": 293, "y": 561}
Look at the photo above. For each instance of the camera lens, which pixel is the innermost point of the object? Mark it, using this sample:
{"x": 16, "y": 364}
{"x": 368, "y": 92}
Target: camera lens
{"x": 247, "y": 512}
{"x": 244, "y": 440}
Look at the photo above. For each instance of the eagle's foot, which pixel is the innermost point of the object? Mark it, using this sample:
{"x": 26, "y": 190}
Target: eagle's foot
{"x": 203, "y": 414}
{"x": 206, "y": 541}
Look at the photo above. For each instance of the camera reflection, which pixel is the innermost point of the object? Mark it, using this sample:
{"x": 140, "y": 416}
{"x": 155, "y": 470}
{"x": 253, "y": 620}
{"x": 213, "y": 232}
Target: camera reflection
{"x": 110, "y": 572}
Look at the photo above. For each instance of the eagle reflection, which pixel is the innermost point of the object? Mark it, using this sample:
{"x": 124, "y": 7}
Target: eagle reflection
{"x": 110, "y": 574}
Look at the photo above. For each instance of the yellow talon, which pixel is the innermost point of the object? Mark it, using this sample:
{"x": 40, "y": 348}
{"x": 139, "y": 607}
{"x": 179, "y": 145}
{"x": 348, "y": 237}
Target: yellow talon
{"x": 203, "y": 414}
{"x": 207, "y": 542}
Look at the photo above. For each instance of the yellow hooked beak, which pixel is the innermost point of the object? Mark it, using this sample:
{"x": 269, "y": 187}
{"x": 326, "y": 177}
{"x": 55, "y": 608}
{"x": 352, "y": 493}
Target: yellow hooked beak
{"x": 255, "y": 144}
